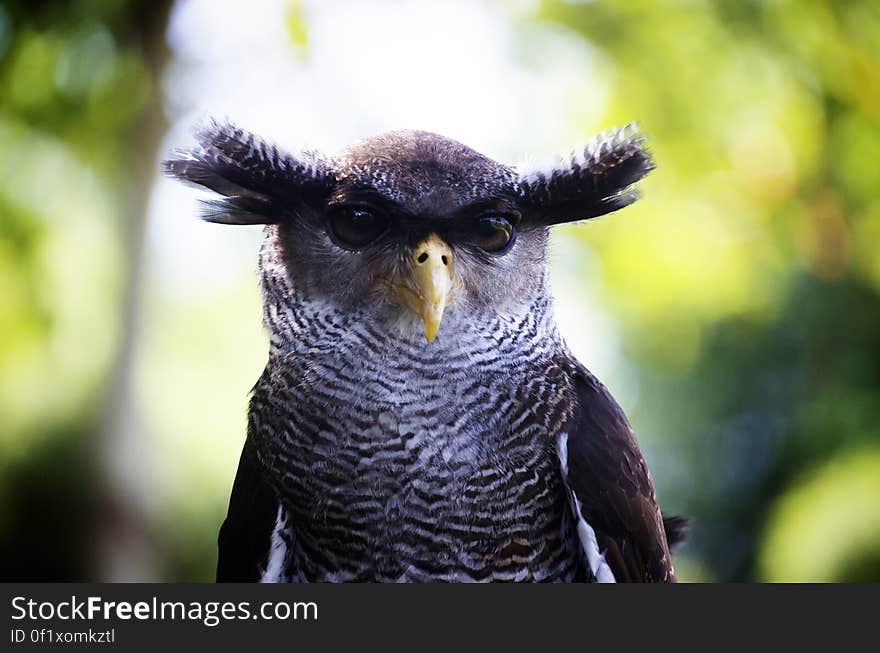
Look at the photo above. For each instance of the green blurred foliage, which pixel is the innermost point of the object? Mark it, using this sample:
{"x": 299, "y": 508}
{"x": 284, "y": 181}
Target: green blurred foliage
{"x": 746, "y": 283}
{"x": 75, "y": 86}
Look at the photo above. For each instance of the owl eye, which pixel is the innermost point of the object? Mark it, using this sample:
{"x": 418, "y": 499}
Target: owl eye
{"x": 494, "y": 234}
{"x": 356, "y": 227}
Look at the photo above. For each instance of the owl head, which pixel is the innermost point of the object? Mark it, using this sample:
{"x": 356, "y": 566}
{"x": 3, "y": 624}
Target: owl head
{"x": 410, "y": 224}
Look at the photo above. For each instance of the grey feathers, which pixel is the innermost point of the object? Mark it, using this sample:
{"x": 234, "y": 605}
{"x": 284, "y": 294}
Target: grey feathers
{"x": 402, "y": 462}
{"x": 415, "y": 167}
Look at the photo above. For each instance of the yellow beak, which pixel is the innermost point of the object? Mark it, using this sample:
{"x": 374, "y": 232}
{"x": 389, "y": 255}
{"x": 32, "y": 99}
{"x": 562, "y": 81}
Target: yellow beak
{"x": 427, "y": 292}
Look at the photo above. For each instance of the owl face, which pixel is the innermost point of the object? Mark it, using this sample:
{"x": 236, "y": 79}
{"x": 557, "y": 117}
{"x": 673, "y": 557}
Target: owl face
{"x": 418, "y": 224}
{"x": 409, "y": 227}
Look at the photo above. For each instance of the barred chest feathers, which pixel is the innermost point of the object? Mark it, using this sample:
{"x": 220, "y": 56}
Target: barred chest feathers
{"x": 401, "y": 462}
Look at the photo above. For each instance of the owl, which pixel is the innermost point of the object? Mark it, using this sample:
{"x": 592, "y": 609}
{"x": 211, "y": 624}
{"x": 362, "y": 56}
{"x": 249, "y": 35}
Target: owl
{"x": 420, "y": 418}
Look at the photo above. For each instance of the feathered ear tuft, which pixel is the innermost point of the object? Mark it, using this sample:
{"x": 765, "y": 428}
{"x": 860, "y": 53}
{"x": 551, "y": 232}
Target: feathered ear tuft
{"x": 260, "y": 183}
{"x": 592, "y": 181}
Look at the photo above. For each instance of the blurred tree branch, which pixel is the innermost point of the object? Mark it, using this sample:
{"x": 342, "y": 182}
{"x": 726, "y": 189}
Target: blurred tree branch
{"x": 127, "y": 543}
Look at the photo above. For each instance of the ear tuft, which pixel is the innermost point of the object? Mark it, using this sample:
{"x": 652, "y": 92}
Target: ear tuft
{"x": 261, "y": 184}
{"x": 591, "y": 181}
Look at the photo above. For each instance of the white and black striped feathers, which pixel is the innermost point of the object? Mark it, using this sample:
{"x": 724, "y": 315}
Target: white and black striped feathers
{"x": 592, "y": 180}
{"x": 371, "y": 455}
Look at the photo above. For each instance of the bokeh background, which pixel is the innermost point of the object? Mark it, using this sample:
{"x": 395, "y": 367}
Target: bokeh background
{"x": 734, "y": 311}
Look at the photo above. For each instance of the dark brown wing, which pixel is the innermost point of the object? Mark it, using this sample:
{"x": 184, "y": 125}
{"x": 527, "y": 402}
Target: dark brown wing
{"x": 245, "y": 536}
{"x": 612, "y": 488}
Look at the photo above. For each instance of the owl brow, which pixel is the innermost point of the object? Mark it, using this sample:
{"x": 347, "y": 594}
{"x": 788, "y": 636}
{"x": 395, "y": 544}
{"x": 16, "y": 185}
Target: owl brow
{"x": 364, "y": 196}
{"x": 498, "y": 206}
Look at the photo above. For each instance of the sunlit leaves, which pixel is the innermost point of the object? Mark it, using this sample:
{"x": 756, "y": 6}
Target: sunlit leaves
{"x": 737, "y": 279}
{"x": 59, "y": 265}
{"x": 826, "y": 528}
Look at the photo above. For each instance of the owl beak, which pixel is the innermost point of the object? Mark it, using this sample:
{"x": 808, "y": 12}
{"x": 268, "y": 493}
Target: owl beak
{"x": 430, "y": 284}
